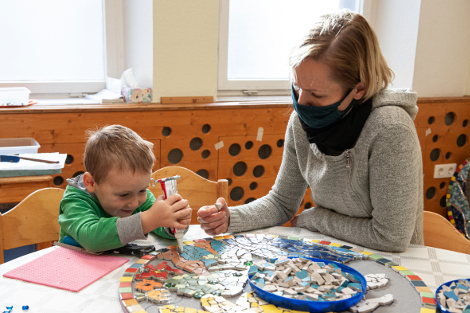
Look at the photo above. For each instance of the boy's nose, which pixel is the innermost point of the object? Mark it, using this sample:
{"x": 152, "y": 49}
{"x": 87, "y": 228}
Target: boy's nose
{"x": 134, "y": 203}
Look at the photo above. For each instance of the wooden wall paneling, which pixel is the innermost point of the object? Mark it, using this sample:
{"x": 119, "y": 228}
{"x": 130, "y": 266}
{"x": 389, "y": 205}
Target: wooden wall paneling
{"x": 64, "y": 130}
{"x": 191, "y": 146}
{"x": 440, "y": 124}
{"x": 74, "y": 161}
{"x": 76, "y": 167}
{"x": 246, "y": 162}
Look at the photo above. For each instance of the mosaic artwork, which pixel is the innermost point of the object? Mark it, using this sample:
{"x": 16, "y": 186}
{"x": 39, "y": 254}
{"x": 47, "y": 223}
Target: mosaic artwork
{"x": 215, "y": 272}
{"x": 458, "y": 208}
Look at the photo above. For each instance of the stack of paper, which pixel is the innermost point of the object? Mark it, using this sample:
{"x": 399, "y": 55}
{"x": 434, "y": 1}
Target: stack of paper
{"x": 28, "y": 168}
{"x": 105, "y": 96}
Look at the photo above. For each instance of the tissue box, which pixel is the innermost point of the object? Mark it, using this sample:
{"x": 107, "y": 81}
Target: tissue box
{"x": 136, "y": 95}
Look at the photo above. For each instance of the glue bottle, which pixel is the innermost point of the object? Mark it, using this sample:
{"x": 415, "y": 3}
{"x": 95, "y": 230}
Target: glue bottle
{"x": 169, "y": 187}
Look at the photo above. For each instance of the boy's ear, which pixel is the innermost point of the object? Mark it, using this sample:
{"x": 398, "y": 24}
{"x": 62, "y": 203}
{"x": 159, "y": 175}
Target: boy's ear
{"x": 89, "y": 182}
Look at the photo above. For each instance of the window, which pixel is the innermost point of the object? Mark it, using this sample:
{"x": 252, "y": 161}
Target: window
{"x": 53, "y": 46}
{"x": 255, "y": 39}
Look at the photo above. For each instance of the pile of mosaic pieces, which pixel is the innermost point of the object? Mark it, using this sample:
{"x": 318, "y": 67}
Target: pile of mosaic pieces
{"x": 303, "y": 279}
{"x": 455, "y": 297}
{"x": 222, "y": 254}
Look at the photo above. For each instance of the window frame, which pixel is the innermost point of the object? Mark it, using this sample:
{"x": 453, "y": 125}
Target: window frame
{"x": 113, "y": 61}
{"x": 255, "y": 87}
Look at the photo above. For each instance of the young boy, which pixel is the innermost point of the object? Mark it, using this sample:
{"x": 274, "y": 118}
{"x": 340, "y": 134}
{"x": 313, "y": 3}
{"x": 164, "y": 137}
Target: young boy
{"x": 109, "y": 205}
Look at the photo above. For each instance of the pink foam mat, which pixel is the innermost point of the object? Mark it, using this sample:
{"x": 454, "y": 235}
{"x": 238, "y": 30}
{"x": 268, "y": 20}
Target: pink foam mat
{"x": 66, "y": 269}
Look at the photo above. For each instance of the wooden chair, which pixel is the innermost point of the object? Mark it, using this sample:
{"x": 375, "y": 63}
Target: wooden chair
{"x": 198, "y": 190}
{"x": 32, "y": 221}
{"x": 440, "y": 233}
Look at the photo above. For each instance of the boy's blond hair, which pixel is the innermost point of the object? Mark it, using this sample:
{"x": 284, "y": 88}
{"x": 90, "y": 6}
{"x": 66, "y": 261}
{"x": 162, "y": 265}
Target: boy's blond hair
{"x": 347, "y": 44}
{"x": 116, "y": 147}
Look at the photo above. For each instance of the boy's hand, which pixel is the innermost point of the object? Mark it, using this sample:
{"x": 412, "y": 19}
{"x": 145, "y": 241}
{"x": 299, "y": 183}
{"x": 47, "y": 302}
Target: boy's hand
{"x": 212, "y": 220}
{"x": 173, "y": 212}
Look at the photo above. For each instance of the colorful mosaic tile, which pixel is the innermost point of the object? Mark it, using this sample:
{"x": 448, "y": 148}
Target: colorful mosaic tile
{"x": 217, "y": 268}
{"x": 453, "y": 297}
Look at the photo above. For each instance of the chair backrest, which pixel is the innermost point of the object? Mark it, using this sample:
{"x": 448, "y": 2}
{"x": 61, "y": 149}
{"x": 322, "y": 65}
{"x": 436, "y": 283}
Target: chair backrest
{"x": 33, "y": 221}
{"x": 196, "y": 189}
{"x": 440, "y": 233}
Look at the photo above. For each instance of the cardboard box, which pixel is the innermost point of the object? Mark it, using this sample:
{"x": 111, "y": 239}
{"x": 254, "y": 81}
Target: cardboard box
{"x": 136, "y": 95}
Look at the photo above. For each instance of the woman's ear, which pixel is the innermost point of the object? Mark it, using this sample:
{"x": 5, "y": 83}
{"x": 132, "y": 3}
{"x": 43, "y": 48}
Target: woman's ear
{"x": 89, "y": 182}
{"x": 360, "y": 91}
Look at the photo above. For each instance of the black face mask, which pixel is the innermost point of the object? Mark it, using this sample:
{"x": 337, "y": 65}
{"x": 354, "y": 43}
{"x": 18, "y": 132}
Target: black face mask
{"x": 340, "y": 135}
{"x": 319, "y": 117}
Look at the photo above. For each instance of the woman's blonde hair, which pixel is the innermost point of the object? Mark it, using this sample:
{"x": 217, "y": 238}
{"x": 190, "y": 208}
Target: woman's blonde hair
{"x": 116, "y": 147}
{"x": 347, "y": 44}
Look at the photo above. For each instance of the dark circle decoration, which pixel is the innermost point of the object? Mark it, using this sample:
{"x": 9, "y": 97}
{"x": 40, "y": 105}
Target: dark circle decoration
{"x": 264, "y": 152}
{"x": 464, "y": 123}
{"x": 236, "y": 193}
{"x": 78, "y": 173}
{"x": 249, "y": 200}
{"x": 461, "y": 140}
{"x": 448, "y": 155}
{"x": 442, "y": 203}
{"x": 430, "y": 193}
{"x": 431, "y": 120}
{"x": 175, "y": 156}
{"x": 248, "y": 145}
{"x": 280, "y": 143}
{"x": 239, "y": 168}
{"x": 253, "y": 185}
{"x": 205, "y": 154}
{"x": 258, "y": 171}
{"x": 195, "y": 143}
{"x": 435, "y": 153}
{"x": 307, "y": 205}
{"x": 442, "y": 185}
{"x": 449, "y": 119}
{"x": 58, "y": 180}
{"x": 229, "y": 181}
{"x": 206, "y": 128}
{"x": 234, "y": 149}
{"x": 166, "y": 131}
{"x": 434, "y": 138}
{"x": 203, "y": 173}
{"x": 69, "y": 159}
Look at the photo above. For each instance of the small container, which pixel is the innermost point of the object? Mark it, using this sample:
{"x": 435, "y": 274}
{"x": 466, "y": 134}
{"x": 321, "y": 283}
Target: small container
{"x": 315, "y": 306}
{"x": 441, "y": 308}
{"x": 14, "y": 96}
{"x": 18, "y": 145}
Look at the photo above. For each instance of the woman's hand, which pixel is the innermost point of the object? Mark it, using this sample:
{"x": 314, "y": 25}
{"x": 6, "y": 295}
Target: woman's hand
{"x": 213, "y": 220}
{"x": 293, "y": 222}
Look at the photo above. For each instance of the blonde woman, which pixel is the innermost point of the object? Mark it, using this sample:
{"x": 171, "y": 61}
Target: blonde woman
{"x": 350, "y": 139}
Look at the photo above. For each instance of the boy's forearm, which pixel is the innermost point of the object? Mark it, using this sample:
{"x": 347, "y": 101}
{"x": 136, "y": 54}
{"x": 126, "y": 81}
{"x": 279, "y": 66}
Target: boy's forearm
{"x": 149, "y": 221}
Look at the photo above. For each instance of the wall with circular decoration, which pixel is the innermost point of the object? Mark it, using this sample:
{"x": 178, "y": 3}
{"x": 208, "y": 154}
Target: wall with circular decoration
{"x": 443, "y": 131}
{"x": 220, "y": 140}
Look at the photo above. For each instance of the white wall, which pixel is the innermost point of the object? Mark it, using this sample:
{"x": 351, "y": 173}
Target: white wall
{"x": 443, "y": 49}
{"x": 185, "y": 48}
{"x": 425, "y": 42}
{"x": 138, "y": 40}
{"x": 396, "y": 24}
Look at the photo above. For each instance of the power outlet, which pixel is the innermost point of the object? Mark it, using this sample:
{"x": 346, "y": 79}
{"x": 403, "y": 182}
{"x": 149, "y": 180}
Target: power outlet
{"x": 444, "y": 170}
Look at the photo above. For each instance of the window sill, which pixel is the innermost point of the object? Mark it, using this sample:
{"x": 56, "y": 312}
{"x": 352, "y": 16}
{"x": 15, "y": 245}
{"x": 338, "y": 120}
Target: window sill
{"x": 253, "y": 98}
{"x": 83, "y": 105}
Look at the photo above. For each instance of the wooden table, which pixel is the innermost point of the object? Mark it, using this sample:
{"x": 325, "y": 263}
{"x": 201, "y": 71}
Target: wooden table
{"x": 434, "y": 266}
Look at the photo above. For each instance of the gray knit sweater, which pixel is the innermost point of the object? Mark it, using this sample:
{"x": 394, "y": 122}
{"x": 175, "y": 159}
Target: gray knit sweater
{"x": 370, "y": 195}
